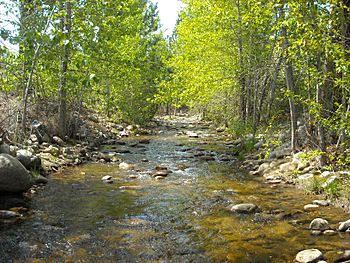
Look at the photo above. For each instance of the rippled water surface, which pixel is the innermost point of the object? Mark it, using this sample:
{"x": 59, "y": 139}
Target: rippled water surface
{"x": 183, "y": 218}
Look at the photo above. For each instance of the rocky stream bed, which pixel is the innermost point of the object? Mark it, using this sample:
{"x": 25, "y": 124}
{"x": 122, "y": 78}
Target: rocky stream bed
{"x": 179, "y": 195}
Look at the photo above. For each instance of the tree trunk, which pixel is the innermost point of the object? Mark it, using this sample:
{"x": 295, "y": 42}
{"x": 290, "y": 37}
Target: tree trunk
{"x": 242, "y": 80}
{"x": 345, "y": 34}
{"x": 290, "y": 85}
{"x": 26, "y": 11}
{"x": 320, "y": 129}
{"x": 65, "y": 53}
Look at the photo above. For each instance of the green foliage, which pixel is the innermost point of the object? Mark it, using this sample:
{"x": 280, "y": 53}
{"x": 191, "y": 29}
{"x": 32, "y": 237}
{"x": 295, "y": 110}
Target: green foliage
{"x": 314, "y": 185}
{"x": 239, "y": 129}
{"x": 333, "y": 190}
{"x": 115, "y": 61}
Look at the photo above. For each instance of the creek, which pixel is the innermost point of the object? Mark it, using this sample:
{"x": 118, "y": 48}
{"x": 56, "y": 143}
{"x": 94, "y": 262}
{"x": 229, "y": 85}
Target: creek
{"x": 182, "y": 218}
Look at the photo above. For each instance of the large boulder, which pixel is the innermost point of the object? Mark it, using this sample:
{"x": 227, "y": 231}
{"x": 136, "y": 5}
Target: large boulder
{"x": 30, "y": 161}
{"x": 14, "y": 178}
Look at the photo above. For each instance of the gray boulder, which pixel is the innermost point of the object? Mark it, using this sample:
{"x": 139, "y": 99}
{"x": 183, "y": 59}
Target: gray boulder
{"x": 30, "y": 161}
{"x": 14, "y": 178}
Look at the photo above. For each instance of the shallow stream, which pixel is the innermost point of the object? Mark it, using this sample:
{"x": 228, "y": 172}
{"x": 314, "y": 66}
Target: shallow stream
{"x": 182, "y": 218}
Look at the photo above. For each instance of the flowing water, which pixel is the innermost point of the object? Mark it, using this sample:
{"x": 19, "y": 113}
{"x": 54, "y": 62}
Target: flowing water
{"x": 183, "y": 218}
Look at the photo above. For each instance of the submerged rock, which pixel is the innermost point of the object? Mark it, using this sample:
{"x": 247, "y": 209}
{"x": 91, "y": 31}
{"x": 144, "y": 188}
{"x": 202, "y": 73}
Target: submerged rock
{"x": 207, "y": 158}
{"x": 125, "y": 166}
{"x": 245, "y": 208}
{"x": 319, "y": 224}
{"x": 309, "y": 256}
{"x": 162, "y": 173}
{"x": 14, "y": 178}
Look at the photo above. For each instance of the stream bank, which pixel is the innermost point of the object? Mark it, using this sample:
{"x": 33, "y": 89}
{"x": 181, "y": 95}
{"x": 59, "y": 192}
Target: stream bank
{"x": 183, "y": 215}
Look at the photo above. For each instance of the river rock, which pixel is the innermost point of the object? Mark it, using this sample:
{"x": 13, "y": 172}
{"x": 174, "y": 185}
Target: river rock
{"x": 311, "y": 207}
{"x": 5, "y": 148}
{"x": 287, "y": 167}
{"x": 58, "y": 140}
{"x": 258, "y": 145}
{"x": 298, "y": 157}
{"x": 192, "y": 135}
{"x": 162, "y": 173}
{"x": 309, "y": 256}
{"x": 41, "y": 180}
{"x": 263, "y": 167}
{"x": 321, "y": 202}
{"x": 54, "y": 151}
{"x": 125, "y": 166}
{"x": 329, "y": 232}
{"x": 24, "y": 157}
{"x": 245, "y": 208}
{"x": 7, "y": 214}
{"x": 345, "y": 257}
{"x": 161, "y": 168}
{"x": 316, "y": 232}
{"x": 344, "y": 226}
{"x": 144, "y": 141}
{"x": 207, "y": 158}
{"x": 106, "y": 177}
{"x": 319, "y": 224}
{"x": 14, "y": 178}
{"x": 29, "y": 161}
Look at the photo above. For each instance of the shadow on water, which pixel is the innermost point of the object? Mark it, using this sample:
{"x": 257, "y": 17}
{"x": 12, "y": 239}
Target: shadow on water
{"x": 183, "y": 218}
